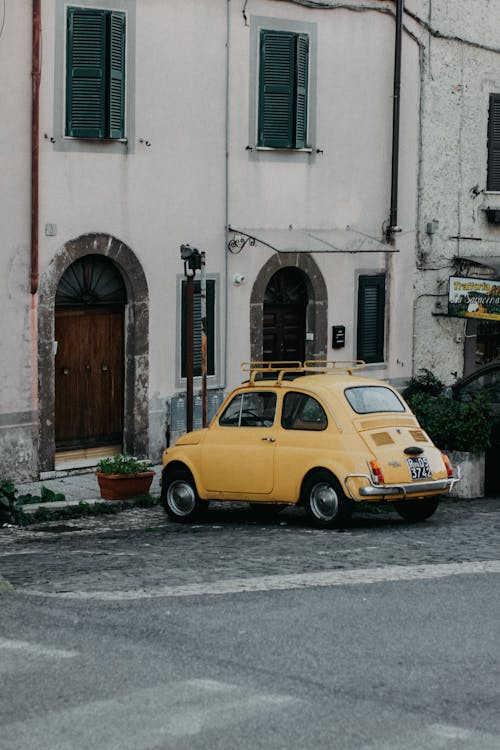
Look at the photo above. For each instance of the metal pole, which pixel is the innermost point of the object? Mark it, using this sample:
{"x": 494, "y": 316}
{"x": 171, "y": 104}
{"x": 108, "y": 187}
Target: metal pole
{"x": 203, "y": 341}
{"x": 189, "y": 345}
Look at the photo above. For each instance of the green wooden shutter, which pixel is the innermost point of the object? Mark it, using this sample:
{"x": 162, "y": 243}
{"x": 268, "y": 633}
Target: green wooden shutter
{"x": 493, "y": 182}
{"x": 276, "y": 89}
{"x": 117, "y": 75}
{"x": 86, "y": 73}
{"x": 301, "y": 93}
{"x": 197, "y": 329}
{"x": 371, "y": 314}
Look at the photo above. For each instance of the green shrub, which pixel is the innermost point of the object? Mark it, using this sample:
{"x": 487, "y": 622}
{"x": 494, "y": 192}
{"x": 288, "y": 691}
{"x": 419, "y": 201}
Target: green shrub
{"x": 122, "y": 464}
{"x": 11, "y": 506}
{"x": 424, "y": 383}
{"x": 451, "y": 424}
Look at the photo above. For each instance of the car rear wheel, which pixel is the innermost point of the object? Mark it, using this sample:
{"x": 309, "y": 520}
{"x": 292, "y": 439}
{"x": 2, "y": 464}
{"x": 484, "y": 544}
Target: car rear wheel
{"x": 417, "y": 510}
{"x": 180, "y": 498}
{"x": 324, "y": 502}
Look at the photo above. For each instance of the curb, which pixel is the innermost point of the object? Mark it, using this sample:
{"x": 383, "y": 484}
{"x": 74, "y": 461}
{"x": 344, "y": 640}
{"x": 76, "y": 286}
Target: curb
{"x": 74, "y": 509}
{"x": 33, "y": 507}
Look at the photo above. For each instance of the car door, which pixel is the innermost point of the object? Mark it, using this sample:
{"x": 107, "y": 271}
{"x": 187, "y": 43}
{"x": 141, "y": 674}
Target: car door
{"x": 237, "y": 457}
{"x": 302, "y": 443}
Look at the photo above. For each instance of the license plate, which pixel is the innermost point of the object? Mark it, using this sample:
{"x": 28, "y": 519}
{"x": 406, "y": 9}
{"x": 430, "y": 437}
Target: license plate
{"x": 419, "y": 468}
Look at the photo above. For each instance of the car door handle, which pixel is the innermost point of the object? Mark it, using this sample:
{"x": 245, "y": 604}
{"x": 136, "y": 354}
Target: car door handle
{"x": 269, "y": 439}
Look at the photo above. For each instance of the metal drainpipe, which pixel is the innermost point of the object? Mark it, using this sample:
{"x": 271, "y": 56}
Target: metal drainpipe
{"x": 35, "y": 129}
{"x": 393, "y": 217}
{"x": 226, "y": 197}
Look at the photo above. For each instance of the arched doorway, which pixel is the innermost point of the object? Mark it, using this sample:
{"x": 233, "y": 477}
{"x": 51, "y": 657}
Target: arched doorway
{"x": 284, "y": 316}
{"x": 135, "y": 404}
{"x": 89, "y": 364}
{"x": 315, "y": 343}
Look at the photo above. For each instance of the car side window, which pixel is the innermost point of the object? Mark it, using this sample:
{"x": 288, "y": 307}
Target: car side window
{"x": 251, "y": 409}
{"x": 302, "y": 412}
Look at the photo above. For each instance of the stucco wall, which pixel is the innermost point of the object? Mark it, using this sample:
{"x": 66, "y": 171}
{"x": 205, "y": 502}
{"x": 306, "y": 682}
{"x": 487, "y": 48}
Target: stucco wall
{"x": 18, "y": 408}
{"x": 460, "y": 67}
{"x": 167, "y": 186}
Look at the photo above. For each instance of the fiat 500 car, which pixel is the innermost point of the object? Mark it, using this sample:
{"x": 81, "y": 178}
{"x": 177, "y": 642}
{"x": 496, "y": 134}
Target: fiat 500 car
{"x": 318, "y": 435}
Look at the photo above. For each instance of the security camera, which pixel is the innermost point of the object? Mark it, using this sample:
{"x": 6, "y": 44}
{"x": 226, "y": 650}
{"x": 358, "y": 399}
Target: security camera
{"x": 238, "y": 279}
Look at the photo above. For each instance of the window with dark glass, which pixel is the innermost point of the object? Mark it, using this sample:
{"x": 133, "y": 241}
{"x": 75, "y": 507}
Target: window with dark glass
{"x": 493, "y": 179}
{"x": 95, "y": 73}
{"x": 371, "y": 318}
{"x": 197, "y": 332}
{"x": 256, "y": 409}
{"x": 302, "y": 412}
{"x": 283, "y": 89}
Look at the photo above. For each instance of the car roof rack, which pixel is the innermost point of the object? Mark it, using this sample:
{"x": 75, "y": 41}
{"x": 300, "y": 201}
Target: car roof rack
{"x": 279, "y": 371}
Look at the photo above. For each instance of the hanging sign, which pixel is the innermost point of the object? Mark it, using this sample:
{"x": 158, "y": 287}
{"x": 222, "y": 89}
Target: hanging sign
{"x": 474, "y": 298}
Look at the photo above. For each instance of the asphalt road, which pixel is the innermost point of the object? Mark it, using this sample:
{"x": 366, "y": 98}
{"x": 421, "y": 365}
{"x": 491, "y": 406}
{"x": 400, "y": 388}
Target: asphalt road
{"x": 132, "y": 632}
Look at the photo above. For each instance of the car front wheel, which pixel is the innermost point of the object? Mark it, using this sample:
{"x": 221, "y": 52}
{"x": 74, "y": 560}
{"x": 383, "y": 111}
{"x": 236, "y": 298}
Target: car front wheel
{"x": 180, "y": 498}
{"x": 417, "y": 510}
{"x": 324, "y": 502}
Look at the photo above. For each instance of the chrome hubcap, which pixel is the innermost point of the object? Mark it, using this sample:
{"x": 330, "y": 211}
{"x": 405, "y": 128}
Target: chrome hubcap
{"x": 324, "y": 501}
{"x": 181, "y": 497}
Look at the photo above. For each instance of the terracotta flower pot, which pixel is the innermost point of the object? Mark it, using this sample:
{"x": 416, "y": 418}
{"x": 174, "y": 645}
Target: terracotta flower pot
{"x": 124, "y": 486}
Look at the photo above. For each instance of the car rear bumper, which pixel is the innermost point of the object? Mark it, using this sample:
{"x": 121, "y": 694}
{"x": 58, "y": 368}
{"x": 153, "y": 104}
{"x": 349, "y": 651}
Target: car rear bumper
{"x": 407, "y": 490}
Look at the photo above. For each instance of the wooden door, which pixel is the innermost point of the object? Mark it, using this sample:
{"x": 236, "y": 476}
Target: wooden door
{"x": 284, "y": 332}
{"x": 89, "y": 377}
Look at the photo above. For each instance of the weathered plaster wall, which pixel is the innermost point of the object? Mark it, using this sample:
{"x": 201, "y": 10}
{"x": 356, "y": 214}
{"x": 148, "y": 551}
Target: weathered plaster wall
{"x": 460, "y": 67}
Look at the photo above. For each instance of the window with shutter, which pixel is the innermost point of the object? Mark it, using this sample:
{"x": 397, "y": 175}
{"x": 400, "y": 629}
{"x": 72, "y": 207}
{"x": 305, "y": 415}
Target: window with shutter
{"x": 197, "y": 328}
{"x": 493, "y": 181}
{"x": 95, "y": 73}
{"x": 283, "y": 85}
{"x": 371, "y": 318}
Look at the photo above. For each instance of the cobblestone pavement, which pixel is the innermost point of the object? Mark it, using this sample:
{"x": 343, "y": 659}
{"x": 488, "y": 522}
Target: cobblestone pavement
{"x": 140, "y": 548}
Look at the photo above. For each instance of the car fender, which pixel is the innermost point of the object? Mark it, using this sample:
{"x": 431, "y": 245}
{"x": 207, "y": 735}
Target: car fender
{"x": 174, "y": 459}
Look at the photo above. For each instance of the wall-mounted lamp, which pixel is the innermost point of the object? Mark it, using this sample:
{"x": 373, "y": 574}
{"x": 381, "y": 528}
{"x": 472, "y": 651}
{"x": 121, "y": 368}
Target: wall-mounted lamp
{"x": 192, "y": 259}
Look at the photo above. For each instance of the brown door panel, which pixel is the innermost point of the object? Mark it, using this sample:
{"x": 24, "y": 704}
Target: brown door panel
{"x": 284, "y": 332}
{"x": 89, "y": 377}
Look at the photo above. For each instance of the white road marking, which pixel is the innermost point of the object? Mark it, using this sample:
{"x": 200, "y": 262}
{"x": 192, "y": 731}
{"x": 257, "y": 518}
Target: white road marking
{"x": 36, "y": 649}
{"x": 143, "y": 719}
{"x": 439, "y": 737}
{"x": 327, "y": 578}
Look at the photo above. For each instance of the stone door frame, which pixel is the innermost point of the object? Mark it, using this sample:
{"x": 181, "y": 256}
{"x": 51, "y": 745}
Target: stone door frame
{"x": 317, "y": 307}
{"x": 136, "y": 365}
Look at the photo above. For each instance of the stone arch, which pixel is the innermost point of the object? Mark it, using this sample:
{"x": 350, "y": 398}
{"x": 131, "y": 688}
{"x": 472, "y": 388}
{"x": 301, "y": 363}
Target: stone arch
{"x": 136, "y": 406}
{"x": 317, "y": 307}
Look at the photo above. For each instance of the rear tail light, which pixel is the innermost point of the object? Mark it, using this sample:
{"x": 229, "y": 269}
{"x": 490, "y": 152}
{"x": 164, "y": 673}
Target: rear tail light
{"x": 447, "y": 463}
{"x": 376, "y": 472}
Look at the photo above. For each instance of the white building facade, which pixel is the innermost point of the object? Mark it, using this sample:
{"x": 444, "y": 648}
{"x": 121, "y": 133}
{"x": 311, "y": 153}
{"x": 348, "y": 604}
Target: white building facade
{"x": 260, "y": 132}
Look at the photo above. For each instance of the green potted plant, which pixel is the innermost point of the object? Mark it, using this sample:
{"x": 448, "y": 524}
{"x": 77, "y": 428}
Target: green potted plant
{"x": 122, "y": 476}
{"x": 460, "y": 429}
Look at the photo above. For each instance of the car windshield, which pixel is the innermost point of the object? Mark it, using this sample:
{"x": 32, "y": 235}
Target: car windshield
{"x": 367, "y": 399}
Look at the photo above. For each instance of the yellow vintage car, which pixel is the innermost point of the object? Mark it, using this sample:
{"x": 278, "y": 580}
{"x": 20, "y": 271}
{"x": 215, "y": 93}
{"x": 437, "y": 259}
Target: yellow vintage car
{"x": 318, "y": 435}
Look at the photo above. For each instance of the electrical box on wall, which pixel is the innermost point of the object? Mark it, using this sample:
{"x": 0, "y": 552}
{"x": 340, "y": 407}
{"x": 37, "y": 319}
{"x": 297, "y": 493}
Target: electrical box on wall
{"x": 338, "y": 337}
{"x": 493, "y": 214}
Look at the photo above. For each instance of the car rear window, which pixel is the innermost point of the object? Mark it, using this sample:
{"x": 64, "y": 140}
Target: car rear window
{"x": 367, "y": 399}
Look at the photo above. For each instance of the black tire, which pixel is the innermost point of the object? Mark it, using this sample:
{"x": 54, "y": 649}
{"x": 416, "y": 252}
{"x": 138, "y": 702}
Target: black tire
{"x": 180, "y": 497}
{"x": 324, "y": 501}
{"x": 417, "y": 510}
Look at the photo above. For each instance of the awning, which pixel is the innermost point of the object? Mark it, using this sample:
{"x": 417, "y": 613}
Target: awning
{"x": 292, "y": 240}
{"x": 491, "y": 262}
